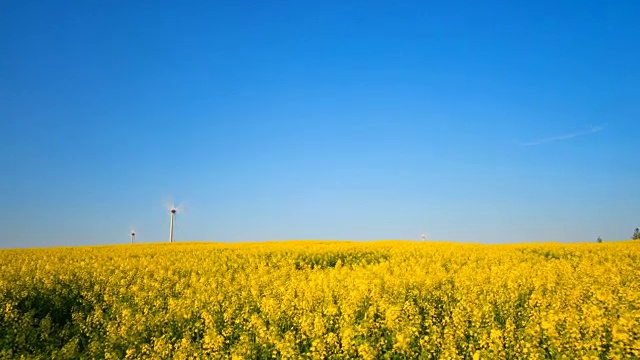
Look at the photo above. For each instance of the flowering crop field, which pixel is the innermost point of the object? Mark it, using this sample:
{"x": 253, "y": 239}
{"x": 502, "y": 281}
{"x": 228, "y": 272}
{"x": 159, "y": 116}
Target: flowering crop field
{"x": 324, "y": 300}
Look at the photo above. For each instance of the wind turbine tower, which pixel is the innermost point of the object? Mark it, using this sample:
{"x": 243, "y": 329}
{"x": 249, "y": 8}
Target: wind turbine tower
{"x": 173, "y": 216}
{"x": 133, "y": 236}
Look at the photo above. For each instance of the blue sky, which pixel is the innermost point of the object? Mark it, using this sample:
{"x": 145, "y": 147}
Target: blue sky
{"x": 493, "y": 122}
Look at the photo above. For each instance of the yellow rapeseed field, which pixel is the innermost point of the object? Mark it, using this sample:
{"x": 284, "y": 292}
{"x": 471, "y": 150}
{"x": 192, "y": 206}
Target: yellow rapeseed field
{"x": 322, "y": 300}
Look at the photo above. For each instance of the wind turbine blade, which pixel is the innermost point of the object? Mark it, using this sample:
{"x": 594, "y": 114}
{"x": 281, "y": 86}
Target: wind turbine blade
{"x": 182, "y": 208}
{"x": 168, "y": 203}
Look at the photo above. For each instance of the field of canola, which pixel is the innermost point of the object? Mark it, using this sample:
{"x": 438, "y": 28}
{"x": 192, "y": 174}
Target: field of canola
{"x": 322, "y": 300}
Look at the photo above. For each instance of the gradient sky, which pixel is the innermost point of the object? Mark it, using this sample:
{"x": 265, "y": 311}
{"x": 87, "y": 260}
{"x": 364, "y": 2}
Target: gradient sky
{"x": 490, "y": 121}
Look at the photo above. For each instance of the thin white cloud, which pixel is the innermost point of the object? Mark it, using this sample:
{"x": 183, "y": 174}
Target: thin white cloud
{"x": 591, "y": 130}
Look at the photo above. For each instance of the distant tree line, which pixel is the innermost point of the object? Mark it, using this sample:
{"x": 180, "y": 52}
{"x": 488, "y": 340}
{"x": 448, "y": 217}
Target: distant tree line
{"x": 635, "y": 236}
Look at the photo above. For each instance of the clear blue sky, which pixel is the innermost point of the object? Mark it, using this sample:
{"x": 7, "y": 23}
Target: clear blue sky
{"x": 492, "y": 121}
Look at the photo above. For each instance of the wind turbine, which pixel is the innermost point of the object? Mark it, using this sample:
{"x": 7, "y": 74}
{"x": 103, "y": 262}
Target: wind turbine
{"x": 173, "y": 210}
{"x": 133, "y": 236}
